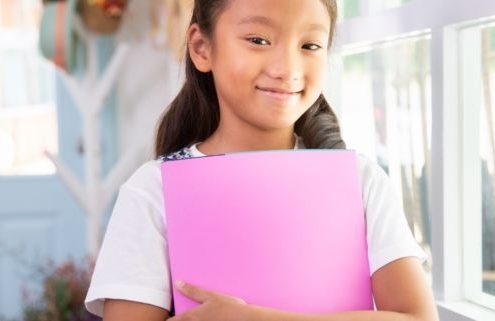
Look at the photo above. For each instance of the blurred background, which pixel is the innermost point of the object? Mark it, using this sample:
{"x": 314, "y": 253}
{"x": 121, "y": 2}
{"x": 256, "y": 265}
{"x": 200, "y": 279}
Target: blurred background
{"x": 83, "y": 83}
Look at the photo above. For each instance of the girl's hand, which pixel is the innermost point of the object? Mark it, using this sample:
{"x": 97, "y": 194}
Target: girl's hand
{"x": 214, "y": 306}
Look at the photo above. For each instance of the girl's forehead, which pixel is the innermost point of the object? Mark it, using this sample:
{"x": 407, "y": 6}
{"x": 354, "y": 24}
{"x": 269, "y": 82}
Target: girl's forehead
{"x": 278, "y": 13}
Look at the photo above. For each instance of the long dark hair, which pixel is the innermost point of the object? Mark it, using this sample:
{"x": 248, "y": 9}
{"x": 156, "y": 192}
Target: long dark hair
{"x": 194, "y": 114}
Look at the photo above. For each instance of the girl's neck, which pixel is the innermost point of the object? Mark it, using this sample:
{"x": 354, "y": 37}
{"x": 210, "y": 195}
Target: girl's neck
{"x": 220, "y": 142}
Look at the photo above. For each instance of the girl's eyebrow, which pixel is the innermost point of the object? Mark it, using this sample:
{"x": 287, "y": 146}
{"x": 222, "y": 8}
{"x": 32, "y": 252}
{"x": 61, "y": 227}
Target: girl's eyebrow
{"x": 258, "y": 20}
{"x": 272, "y": 24}
{"x": 318, "y": 27}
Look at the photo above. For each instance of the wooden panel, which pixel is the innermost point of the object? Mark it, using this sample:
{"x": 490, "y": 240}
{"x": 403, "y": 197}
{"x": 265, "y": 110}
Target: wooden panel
{"x": 39, "y": 220}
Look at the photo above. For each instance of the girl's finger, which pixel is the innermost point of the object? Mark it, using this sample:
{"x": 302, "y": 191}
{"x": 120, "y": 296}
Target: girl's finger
{"x": 192, "y": 292}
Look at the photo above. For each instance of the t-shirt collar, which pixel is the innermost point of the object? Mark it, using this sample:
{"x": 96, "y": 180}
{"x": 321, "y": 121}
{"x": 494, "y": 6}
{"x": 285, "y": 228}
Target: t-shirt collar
{"x": 196, "y": 153}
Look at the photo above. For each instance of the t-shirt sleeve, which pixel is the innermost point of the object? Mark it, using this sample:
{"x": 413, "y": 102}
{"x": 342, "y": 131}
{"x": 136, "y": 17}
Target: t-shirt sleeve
{"x": 133, "y": 261}
{"x": 388, "y": 234}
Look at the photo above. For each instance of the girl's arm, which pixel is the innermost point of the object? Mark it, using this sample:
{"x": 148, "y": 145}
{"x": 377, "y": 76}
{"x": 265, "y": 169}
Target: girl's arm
{"x": 120, "y": 310}
{"x": 401, "y": 294}
{"x": 400, "y": 290}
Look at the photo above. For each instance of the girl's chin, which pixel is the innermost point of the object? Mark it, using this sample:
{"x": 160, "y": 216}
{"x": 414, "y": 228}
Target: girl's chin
{"x": 276, "y": 123}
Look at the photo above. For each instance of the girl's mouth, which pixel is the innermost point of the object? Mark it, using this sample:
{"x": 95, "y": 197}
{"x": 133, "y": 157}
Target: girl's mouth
{"x": 278, "y": 93}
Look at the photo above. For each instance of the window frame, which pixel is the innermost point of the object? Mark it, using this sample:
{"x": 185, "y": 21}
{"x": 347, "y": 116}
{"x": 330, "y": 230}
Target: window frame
{"x": 23, "y": 38}
{"x": 454, "y": 160}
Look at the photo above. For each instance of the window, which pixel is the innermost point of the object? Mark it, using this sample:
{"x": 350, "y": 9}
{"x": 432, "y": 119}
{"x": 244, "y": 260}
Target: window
{"x": 487, "y": 156}
{"x": 425, "y": 74}
{"x": 475, "y": 152}
{"x": 28, "y": 124}
{"x": 390, "y": 119}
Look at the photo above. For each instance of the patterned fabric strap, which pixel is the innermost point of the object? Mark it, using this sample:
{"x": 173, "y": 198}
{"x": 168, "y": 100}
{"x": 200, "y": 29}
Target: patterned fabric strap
{"x": 181, "y": 154}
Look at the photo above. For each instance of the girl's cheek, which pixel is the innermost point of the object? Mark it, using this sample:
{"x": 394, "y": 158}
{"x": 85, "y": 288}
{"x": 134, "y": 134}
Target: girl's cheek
{"x": 319, "y": 71}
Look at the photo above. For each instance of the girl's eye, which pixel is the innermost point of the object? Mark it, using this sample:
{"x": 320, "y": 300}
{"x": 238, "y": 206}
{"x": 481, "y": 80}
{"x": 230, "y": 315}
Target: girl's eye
{"x": 258, "y": 41}
{"x": 311, "y": 46}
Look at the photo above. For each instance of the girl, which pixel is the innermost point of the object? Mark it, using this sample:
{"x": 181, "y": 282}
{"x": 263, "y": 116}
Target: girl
{"x": 254, "y": 76}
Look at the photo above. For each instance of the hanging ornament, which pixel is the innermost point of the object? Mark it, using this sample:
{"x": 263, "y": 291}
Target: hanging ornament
{"x": 58, "y": 41}
{"x": 102, "y": 16}
{"x": 112, "y": 8}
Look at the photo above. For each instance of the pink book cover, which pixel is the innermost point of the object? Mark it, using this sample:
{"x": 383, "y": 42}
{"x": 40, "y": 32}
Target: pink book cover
{"x": 280, "y": 229}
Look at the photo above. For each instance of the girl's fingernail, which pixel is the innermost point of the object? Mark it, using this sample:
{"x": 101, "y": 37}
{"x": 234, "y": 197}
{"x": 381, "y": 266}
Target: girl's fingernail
{"x": 179, "y": 283}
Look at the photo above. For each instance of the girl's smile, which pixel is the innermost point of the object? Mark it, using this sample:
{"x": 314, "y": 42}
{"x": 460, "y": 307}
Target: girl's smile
{"x": 280, "y": 94}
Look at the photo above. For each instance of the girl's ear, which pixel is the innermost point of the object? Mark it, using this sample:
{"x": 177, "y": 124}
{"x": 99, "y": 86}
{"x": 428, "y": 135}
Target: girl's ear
{"x": 199, "y": 48}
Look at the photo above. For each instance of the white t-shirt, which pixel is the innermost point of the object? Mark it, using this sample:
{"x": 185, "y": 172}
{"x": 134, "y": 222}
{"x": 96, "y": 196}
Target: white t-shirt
{"x": 133, "y": 261}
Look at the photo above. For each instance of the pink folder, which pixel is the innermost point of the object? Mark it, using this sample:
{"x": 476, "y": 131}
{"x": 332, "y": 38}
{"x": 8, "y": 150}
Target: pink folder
{"x": 279, "y": 229}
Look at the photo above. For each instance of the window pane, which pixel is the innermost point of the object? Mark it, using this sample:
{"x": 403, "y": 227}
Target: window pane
{"x": 487, "y": 151}
{"x": 348, "y": 8}
{"x": 28, "y": 124}
{"x": 352, "y": 8}
{"x": 386, "y": 114}
{"x": 379, "y": 5}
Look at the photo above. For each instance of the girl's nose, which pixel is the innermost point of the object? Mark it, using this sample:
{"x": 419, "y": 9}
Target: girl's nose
{"x": 285, "y": 65}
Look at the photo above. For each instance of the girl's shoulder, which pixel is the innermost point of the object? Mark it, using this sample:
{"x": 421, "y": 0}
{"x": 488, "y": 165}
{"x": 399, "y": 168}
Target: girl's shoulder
{"x": 369, "y": 169}
{"x": 147, "y": 178}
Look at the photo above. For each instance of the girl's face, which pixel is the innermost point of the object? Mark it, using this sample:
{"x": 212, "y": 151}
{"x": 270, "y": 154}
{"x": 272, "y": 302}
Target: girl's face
{"x": 268, "y": 59}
